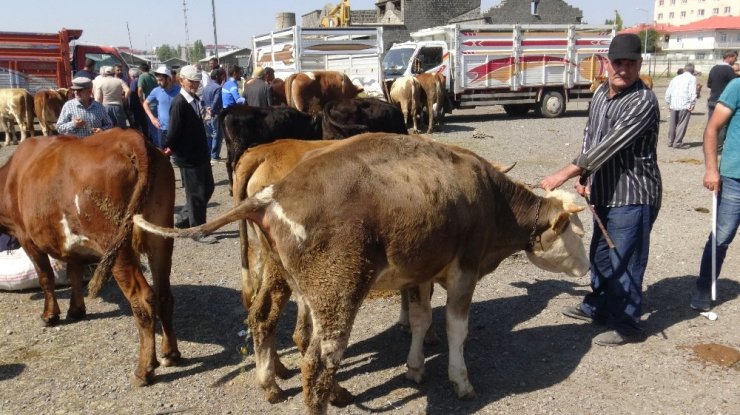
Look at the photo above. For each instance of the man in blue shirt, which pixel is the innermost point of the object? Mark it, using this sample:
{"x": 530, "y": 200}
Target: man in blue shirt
{"x": 230, "y": 93}
{"x": 162, "y": 95}
{"x": 724, "y": 179}
{"x": 214, "y": 104}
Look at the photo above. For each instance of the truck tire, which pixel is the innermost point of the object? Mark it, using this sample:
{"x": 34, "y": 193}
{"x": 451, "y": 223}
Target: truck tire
{"x": 517, "y": 110}
{"x": 552, "y": 105}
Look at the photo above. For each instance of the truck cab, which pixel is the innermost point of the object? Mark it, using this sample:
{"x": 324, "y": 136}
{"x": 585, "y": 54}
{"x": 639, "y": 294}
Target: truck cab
{"x": 413, "y": 58}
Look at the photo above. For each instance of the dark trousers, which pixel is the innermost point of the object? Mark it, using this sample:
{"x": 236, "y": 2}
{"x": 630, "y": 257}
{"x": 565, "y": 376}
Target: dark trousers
{"x": 199, "y": 186}
{"x": 616, "y": 274}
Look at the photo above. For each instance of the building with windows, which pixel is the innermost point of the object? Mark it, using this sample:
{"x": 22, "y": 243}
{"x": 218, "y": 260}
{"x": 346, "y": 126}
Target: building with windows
{"x": 706, "y": 39}
{"x": 683, "y": 12}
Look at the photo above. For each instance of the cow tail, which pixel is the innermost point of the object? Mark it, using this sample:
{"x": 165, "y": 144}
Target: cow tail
{"x": 142, "y": 154}
{"x": 251, "y": 209}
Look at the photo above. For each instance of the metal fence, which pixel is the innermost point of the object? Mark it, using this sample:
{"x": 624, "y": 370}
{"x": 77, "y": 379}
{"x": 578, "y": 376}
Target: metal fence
{"x": 662, "y": 66}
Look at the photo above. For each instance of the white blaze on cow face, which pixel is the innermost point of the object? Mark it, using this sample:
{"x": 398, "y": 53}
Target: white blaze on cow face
{"x": 560, "y": 248}
{"x": 77, "y": 203}
{"x": 72, "y": 241}
{"x": 296, "y": 229}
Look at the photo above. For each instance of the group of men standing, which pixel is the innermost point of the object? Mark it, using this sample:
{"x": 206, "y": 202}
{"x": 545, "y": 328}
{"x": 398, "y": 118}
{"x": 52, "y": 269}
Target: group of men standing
{"x": 178, "y": 116}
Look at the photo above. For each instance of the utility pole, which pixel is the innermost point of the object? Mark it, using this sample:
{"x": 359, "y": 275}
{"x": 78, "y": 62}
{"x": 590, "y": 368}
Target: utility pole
{"x": 187, "y": 36}
{"x": 215, "y": 37}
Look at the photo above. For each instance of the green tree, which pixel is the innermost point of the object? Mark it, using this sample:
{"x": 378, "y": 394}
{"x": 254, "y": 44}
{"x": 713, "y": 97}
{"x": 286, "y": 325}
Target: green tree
{"x": 165, "y": 52}
{"x": 616, "y": 21}
{"x": 198, "y": 52}
{"x": 652, "y": 40}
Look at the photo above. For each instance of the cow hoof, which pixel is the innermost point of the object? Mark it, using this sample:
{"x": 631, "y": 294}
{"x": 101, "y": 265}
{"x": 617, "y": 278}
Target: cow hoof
{"x": 171, "y": 359}
{"x": 465, "y": 392}
{"x": 281, "y": 371}
{"x": 417, "y": 375}
{"x": 76, "y": 314}
{"x": 276, "y": 395}
{"x": 139, "y": 381}
{"x": 50, "y": 321}
{"x": 340, "y": 397}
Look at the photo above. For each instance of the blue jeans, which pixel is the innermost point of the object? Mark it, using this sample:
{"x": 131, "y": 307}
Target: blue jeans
{"x": 215, "y": 138}
{"x": 728, "y": 219}
{"x": 616, "y": 274}
{"x": 161, "y": 138}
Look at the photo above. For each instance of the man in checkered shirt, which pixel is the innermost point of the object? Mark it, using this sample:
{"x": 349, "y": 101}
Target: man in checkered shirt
{"x": 83, "y": 116}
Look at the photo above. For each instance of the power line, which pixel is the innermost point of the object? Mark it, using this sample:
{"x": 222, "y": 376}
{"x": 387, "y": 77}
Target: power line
{"x": 187, "y": 36}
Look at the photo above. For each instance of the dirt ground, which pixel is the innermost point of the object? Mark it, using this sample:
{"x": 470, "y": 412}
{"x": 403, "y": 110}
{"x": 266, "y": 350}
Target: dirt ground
{"x": 523, "y": 355}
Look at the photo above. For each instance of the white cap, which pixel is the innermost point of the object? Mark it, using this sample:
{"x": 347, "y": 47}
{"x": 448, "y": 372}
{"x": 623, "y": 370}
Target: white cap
{"x": 191, "y": 73}
{"x": 162, "y": 70}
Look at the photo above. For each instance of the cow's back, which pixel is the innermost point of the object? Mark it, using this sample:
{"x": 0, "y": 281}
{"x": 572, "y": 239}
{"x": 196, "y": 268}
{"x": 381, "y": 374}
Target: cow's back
{"x": 391, "y": 189}
{"x": 347, "y": 117}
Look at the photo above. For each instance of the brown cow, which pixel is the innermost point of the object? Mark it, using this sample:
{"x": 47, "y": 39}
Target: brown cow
{"x": 432, "y": 85}
{"x": 406, "y": 92}
{"x": 309, "y": 91}
{"x": 16, "y": 106}
{"x": 259, "y": 167}
{"x": 47, "y": 105}
{"x": 278, "y": 92}
{"x": 74, "y": 200}
{"x": 388, "y": 212}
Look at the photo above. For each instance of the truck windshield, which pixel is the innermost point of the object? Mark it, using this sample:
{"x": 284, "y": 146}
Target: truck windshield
{"x": 102, "y": 59}
{"x": 396, "y": 61}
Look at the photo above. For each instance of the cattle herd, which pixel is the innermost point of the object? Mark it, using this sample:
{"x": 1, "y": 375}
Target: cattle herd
{"x": 322, "y": 221}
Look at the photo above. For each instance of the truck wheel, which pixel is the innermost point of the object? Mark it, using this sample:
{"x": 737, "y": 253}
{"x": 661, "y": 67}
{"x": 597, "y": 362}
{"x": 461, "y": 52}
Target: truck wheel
{"x": 517, "y": 110}
{"x": 552, "y": 105}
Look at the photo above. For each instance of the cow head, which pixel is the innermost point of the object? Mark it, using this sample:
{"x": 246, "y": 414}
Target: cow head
{"x": 560, "y": 247}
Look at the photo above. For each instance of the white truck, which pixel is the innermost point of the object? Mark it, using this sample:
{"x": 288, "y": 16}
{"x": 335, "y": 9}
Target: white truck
{"x": 521, "y": 67}
{"x": 355, "y": 51}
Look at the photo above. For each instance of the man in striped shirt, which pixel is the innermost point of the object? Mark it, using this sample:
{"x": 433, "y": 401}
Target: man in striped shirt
{"x": 619, "y": 167}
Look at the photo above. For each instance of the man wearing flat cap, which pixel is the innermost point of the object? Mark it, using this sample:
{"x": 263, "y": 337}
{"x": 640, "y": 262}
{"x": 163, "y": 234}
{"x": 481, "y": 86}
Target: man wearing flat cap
{"x": 619, "y": 176}
{"x": 188, "y": 143}
{"x": 83, "y": 116}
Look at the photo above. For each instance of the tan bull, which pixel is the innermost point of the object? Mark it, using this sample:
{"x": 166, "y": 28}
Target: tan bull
{"x": 406, "y": 92}
{"x": 396, "y": 212}
{"x": 47, "y": 105}
{"x": 16, "y": 107}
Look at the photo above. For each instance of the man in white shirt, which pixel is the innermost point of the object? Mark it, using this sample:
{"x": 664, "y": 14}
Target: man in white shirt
{"x": 681, "y": 98}
{"x": 112, "y": 92}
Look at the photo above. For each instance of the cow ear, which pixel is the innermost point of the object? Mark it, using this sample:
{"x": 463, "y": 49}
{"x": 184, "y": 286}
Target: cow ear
{"x": 559, "y": 224}
{"x": 573, "y": 208}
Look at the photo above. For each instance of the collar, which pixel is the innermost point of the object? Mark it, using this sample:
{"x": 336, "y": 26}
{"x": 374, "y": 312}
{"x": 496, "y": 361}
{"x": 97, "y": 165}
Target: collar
{"x": 187, "y": 96}
{"x": 533, "y": 237}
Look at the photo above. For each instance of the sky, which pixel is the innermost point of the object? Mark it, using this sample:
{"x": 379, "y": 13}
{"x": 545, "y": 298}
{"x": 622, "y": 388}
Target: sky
{"x": 156, "y": 22}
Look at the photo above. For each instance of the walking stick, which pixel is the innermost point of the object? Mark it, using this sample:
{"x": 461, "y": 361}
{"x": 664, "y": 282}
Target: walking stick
{"x": 583, "y": 181}
{"x": 714, "y": 246}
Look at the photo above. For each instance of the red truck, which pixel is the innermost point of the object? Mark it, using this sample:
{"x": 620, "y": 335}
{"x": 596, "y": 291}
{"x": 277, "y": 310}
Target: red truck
{"x": 47, "y": 60}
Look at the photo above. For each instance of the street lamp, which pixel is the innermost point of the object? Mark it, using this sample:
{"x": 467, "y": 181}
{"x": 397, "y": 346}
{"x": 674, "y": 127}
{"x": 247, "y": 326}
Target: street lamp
{"x": 647, "y": 17}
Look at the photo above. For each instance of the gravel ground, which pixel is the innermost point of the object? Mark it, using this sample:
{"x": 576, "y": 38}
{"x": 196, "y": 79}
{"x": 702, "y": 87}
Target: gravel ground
{"x": 522, "y": 354}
